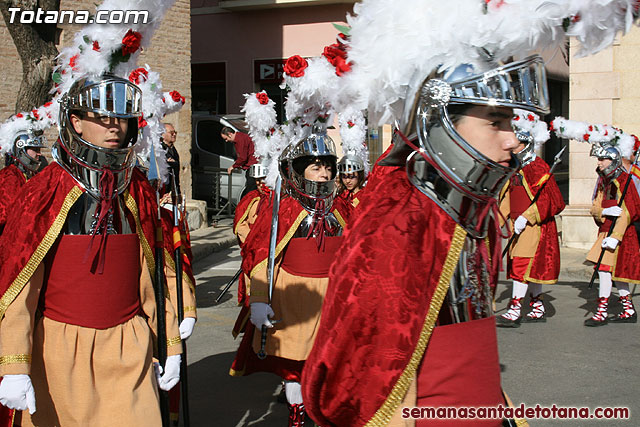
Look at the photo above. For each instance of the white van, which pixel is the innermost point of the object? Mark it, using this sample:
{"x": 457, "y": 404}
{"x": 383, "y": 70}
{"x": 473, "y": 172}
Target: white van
{"x": 210, "y": 158}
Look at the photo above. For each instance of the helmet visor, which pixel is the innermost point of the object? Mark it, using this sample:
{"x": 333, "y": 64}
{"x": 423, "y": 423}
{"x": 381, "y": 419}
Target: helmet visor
{"x": 112, "y": 98}
{"x": 521, "y": 84}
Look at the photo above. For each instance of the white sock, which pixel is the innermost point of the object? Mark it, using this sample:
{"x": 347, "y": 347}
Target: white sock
{"x": 519, "y": 289}
{"x": 623, "y": 289}
{"x": 293, "y": 391}
{"x": 535, "y": 288}
{"x": 605, "y": 284}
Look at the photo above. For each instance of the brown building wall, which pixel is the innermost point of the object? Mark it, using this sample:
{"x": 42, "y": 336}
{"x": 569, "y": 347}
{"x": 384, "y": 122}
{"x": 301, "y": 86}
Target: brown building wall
{"x": 169, "y": 54}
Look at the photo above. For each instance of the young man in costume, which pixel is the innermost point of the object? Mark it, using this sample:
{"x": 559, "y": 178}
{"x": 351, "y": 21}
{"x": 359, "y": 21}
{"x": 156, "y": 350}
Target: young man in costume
{"x": 534, "y": 256}
{"x": 621, "y": 248}
{"x": 26, "y": 162}
{"x": 88, "y": 359}
{"x": 407, "y": 319}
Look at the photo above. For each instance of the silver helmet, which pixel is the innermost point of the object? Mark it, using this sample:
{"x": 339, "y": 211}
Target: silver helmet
{"x": 467, "y": 178}
{"x": 607, "y": 151}
{"x": 108, "y": 96}
{"x": 258, "y": 170}
{"x": 25, "y": 139}
{"x": 313, "y": 195}
{"x": 527, "y": 154}
{"x": 350, "y": 163}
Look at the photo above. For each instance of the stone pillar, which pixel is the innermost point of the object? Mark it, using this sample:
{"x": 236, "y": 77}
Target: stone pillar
{"x": 593, "y": 86}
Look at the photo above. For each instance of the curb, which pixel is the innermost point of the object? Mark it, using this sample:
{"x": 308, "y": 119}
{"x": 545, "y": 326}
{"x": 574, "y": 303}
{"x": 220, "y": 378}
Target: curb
{"x": 205, "y": 244}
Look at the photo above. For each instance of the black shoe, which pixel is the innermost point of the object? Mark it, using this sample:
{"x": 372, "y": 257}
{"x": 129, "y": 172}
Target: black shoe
{"x": 503, "y": 322}
{"x": 593, "y": 323}
{"x": 528, "y": 319}
{"x": 630, "y": 319}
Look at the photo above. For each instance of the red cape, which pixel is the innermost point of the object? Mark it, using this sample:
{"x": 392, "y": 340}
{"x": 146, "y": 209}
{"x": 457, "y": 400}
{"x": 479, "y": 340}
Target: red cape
{"x": 39, "y": 215}
{"x": 11, "y": 180}
{"x": 385, "y": 292}
{"x": 545, "y": 265}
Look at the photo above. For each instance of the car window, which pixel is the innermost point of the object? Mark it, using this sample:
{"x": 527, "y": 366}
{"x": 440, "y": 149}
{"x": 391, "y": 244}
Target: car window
{"x": 208, "y": 139}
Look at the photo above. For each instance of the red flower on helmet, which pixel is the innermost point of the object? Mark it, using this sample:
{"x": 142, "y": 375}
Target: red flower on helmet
{"x": 295, "y": 66}
{"x": 141, "y": 122}
{"x": 131, "y": 42}
{"x": 175, "y": 95}
{"x": 342, "y": 66}
{"x": 350, "y": 124}
{"x": 263, "y": 98}
{"x": 73, "y": 62}
{"x": 19, "y": 115}
{"x": 516, "y": 118}
{"x": 96, "y": 46}
{"x": 135, "y": 76}
{"x": 47, "y": 104}
{"x": 35, "y": 114}
{"x": 585, "y": 137}
{"x": 530, "y": 117}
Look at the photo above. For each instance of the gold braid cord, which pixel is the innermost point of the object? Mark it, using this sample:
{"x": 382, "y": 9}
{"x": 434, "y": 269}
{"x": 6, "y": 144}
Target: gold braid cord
{"x": 385, "y": 412}
{"x": 41, "y": 251}
{"x": 146, "y": 248}
{"x": 13, "y": 359}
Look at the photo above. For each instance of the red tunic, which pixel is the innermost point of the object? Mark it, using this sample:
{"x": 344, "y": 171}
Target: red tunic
{"x": 385, "y": 293}
{"x": 11, "y": 180}
{"x": 544, "y": 267}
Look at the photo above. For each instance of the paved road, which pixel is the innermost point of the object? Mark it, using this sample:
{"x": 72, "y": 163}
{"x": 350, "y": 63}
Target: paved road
{"x": 559, "y": 362}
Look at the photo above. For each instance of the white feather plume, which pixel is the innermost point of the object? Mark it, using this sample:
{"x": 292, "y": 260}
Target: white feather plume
{"x": 595, "y": 134}
{"x": 526, "y": 121}
{"x": 395, "y": 45}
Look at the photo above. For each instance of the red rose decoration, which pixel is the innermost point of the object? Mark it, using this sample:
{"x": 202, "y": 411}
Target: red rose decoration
{"x": 175, "y": 95}
{"x": 342, "y": 66}
{"x": 35, "y": 114}
{"x": 96, "y": 46}
{"x": 73, "y": 61}
{"x": 141, "y": 122}
{"x": 295, "y": 66}
{"x": 47, "y": 104}
{"x": 585, "y": 137}
{"x": 590, "y": 128}
{"x": 516, "y": 118}
{"x": 19, "y": 115}
{"x": 530, "y": 117}
{"x": 263, "y": 98}
{"x": 351, "y": 124}
{"x": 333, "y": 51}
{"x": 135, "y": 76}
{"x": 131, "y": 42}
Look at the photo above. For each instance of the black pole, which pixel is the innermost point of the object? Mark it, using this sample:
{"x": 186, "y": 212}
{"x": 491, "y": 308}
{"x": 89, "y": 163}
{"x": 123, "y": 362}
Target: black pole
{"x": 228, "y": 285}
{"x": 159, "y": 285}
{"x": 184, "y": 383}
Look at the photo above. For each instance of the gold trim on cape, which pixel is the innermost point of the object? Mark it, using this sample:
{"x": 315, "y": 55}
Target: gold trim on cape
{"x": 168, "y": 259}
{"x": 390, "y": 405}
{"x": 245, "y": 214}
{"x": 41, "y": 251}
{"x": 281, "y": 245}
{"x": 341, "y": 220}
{"x": 146, "y": 248}
{"x": 173, "y": 341}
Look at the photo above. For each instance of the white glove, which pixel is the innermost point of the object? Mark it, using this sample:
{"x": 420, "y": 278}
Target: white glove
{"x": 16, "y": 392}
{"x": 612, "y": 211}
{"x": 609, "y": 243}
{"x": 260, "y": 313}
{"x": 171, "y": 372}
{"x": 186, "y": 327}
{"x": 519, "y": 224}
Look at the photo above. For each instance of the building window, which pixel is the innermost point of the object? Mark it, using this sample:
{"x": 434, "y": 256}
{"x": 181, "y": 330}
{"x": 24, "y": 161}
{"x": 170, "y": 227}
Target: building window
{"x": 208, "y": 87}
